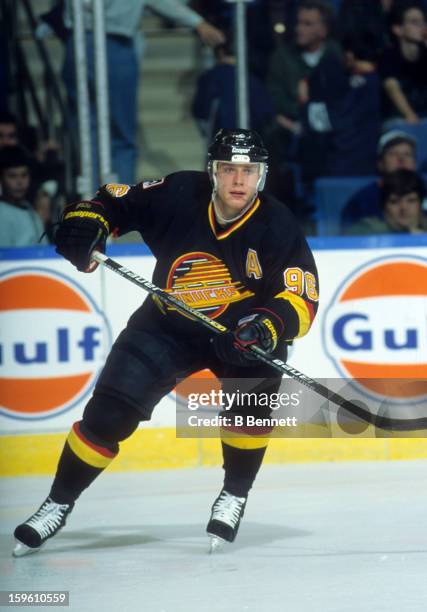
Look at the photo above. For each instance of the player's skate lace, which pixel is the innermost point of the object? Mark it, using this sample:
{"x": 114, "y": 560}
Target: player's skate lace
{"x": 227, "y": 508}
{"x": 49, "y": 518}
{"x": 227, "y": 512}
{"x": 43, "y": 524}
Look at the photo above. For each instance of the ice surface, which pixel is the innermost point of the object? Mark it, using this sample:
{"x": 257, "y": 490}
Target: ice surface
{"x": 340, "y": 537}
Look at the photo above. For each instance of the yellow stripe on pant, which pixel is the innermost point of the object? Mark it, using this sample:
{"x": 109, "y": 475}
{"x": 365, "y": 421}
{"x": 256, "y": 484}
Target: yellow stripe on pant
{"x": 90, "y": 453}
{"x": 242, "y": 440}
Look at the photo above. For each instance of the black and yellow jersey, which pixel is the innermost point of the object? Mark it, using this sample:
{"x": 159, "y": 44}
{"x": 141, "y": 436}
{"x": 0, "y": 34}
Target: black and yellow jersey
{"x": 261, "y": 262}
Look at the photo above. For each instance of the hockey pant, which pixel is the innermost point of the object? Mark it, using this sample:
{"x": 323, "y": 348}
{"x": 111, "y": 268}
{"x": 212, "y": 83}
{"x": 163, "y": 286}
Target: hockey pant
{"x": 143, "y": 366}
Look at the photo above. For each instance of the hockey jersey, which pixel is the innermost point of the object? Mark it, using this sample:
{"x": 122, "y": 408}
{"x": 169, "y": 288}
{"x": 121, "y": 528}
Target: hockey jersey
{"x": 259, "y": 262}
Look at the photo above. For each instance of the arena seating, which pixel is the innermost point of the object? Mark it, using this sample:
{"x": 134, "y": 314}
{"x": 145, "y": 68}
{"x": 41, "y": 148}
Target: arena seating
{"x": 330, "y": 197}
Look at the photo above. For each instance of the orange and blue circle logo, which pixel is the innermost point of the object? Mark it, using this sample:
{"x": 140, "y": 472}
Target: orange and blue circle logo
{"x": 54, "y": 341}
{"x": 375, "y": 328}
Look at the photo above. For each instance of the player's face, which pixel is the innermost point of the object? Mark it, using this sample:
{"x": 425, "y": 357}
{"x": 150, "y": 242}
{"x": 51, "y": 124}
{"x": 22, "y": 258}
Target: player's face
{"x": 403, "y": 211}
{"x": 236, "y": 186}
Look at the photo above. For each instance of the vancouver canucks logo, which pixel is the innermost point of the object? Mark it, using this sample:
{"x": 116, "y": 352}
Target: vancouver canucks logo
{"x": 203, "y": 281}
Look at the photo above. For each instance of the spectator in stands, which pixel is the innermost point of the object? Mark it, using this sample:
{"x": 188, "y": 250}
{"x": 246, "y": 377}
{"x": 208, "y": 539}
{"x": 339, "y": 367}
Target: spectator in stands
{"x": 214, "y": 102}
{"x": 265, "y": 22}
{"x": 44, "y": 157}
{"x": 396, "y": 150}
{"x": 403, "y": 67}
{"x": 122, "y": 20}
{"x": 292, "y": 63}
{"x": 8, "y": 130}
{"x": 20, "y": 225}
{"x": 358, "y": 17}
{"x": 402, "y": 194}
{"x": 341, "y": 118}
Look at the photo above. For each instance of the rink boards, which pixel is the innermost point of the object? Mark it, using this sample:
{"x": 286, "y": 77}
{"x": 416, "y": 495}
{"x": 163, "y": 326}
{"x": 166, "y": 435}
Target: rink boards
{"x": 57, "y": 326}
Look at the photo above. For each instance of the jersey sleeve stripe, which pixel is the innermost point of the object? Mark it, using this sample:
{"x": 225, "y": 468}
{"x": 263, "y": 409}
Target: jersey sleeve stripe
{"x": 304, "y": 310}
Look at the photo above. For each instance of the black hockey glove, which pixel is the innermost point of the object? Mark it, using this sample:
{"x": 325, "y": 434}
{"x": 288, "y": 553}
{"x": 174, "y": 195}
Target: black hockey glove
{"x": 259, "y": 330}
{"x": 83, "y": 228}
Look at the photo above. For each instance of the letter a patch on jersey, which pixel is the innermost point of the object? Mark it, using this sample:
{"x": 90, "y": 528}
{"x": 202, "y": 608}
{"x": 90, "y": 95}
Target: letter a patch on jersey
{"x": 253, "y": 267}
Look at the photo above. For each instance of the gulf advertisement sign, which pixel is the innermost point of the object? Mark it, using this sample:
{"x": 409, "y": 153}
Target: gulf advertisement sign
{"x": 54, "y": 340}
{"x": 375, "y": 328}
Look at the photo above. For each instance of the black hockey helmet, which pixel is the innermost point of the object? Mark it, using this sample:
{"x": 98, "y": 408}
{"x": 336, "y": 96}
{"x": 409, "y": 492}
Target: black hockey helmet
{"x": 239, "y": 147}
{"x": 231, "y": 144}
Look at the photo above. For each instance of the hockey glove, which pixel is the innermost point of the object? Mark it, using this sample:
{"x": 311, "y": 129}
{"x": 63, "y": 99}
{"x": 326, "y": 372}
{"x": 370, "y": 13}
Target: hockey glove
{"x": 83, "y": 228}
{"x": 258, "y": 330}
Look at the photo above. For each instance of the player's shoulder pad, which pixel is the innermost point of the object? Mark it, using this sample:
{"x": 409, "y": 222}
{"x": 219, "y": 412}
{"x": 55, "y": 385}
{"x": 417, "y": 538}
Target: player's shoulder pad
{"x": 189, "y": 178}
{"x": 177, "y": 180}
{"x": 188, "y": 186}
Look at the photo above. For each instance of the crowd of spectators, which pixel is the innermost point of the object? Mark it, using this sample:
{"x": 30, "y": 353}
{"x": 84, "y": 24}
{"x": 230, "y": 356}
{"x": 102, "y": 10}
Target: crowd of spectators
{"x": 20, "y": 224}
{"x": 347, "y": 83}
{"x": 124, "y": 54}
{"x": 337, "y": 88}
{"x": 401, "y": 201}
{"x": 36, "y": 169}
{"x": 396, "y": 151}
{"x": 31, "y": 185}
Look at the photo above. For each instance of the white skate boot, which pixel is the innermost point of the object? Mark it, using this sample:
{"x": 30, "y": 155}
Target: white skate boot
{"x": 227, "y": 511}
{"x": 42, "y": 525}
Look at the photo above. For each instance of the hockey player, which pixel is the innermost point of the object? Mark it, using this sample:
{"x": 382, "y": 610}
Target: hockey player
{"x": 235, "y": 254}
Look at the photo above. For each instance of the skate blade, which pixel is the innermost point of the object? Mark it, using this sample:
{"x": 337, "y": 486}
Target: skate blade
{"x": 215, "y": 544}
{"x": 21, "y": 549}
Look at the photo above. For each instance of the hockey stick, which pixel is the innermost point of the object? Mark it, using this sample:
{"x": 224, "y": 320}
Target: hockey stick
{"x": 279, "y": 365}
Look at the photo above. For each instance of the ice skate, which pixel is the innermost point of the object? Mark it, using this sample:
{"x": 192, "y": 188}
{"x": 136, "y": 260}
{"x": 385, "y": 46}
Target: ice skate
{"x": 223, "y": 525}
{"x": 42, "y": 525}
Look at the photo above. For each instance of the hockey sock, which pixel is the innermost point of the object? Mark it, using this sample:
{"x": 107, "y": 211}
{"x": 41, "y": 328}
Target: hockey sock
{"x": 83, "y": 458}
{"x": 241, "y": 466}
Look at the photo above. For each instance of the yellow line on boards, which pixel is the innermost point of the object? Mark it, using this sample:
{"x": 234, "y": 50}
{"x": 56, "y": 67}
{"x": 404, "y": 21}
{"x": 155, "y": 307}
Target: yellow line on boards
{"x": 152, "y": 449}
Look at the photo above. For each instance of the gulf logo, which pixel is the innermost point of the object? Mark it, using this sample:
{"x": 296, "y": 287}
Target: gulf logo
{"x": 53, "y": 342}
{"x": 200, "y": 382}
{"x": 375, "y": 328}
